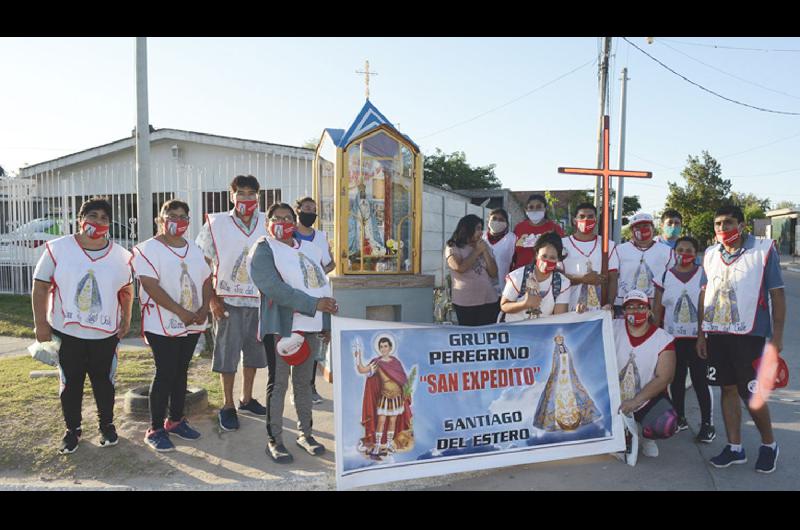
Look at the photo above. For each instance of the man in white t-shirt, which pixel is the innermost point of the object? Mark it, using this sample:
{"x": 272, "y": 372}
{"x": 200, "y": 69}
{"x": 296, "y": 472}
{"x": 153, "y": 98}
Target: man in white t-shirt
{"x": 583, "y": 262}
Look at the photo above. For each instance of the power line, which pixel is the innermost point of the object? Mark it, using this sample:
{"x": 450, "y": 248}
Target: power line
{"x": 720, "y": 46}
{"x": 584, "y": 65}
{"x": 701, "y": 87}
{"x": 729, "y": 74}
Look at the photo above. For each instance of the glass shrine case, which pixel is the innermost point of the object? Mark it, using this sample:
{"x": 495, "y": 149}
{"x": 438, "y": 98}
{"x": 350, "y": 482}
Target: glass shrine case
{"x": 368, "y": 189}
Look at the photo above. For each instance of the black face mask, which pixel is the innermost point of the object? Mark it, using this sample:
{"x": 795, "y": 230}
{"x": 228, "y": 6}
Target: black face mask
{"x": 307, "y": 219}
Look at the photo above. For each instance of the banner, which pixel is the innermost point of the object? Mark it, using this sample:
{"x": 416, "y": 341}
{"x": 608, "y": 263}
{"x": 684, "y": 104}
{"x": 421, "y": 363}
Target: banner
{"x": 414, "y": 400}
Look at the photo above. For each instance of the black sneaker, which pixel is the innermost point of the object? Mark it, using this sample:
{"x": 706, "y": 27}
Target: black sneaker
{"x": 682, "y": 424}
{"x": 707, "y": 434}
{"x": 767, "y": 459}
{"x": 228, "y": 420}
{"x": 253, "y": 406}
{"x": 69, "y": 443}
{"x": 316, "y": 399}
{"x": 278, "y": 452}
{"x": 311, "y": 446}
{"x": 108, "y": 435}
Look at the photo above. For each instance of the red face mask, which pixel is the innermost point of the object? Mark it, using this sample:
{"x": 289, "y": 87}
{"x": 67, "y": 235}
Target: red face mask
{"x": 176, "y": 228}
{"x": 546, "y": 265}
{"x": 587, "y": 225}
{"x": 685, "y": 259}
{"x": 729, "y": 237}
{"x": 643, "y": 232}
{"x": 637, "y": 319}
{"x": 246, "y": 208}
{"x": 282, "y": 230}
{"x": 94, "y": 231}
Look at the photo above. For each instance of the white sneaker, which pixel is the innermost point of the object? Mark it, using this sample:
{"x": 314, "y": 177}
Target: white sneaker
{"x": 649, "y": 448}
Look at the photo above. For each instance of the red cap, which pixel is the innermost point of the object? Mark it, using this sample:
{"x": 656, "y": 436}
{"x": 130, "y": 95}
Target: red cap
{"x": 293, "y": 349}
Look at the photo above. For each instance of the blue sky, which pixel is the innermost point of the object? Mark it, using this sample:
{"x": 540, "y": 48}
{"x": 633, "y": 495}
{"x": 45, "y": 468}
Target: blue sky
{"x": 61, "y": 95}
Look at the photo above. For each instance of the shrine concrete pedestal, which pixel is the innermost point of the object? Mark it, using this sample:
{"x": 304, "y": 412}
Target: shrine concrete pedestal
{"x": 393, "y": 298}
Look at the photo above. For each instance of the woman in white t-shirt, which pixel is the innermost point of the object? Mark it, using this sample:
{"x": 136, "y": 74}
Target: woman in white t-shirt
{"x": 82, "y": 294}
{"x": 537, "y": 289}
{"x": 175, "y": 293}
{"x": 503, "y": 241}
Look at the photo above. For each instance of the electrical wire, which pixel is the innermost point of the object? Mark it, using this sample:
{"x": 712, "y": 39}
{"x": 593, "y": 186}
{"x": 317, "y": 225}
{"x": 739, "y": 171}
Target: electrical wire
{"x": 540, "y": 87}
{"x": 720, "y": 46}
{"x": 729, "y": 74}
{"x": 762, "y": 109}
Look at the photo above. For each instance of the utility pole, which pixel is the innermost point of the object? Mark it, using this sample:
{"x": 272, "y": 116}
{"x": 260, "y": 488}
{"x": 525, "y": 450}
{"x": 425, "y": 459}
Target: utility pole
{"x": 603, "y": 91}
{"x": 144, "y": 193}
{"x": 621, "y": 164}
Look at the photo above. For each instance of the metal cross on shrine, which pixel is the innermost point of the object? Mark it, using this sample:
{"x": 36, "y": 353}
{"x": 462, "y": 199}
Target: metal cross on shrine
{"x": 366, "y": 73}
{"x": 606, "y": 173}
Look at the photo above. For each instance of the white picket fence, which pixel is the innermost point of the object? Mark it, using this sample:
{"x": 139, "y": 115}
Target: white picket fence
{"x": 44, "y": 206}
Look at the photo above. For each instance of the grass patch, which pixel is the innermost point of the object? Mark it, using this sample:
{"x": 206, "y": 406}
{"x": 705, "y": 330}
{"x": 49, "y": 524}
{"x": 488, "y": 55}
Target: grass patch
{"x": 16, "y": 317}
{"x": 31, "y": 412}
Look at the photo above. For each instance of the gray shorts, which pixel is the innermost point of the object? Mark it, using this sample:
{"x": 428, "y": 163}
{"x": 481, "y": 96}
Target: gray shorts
{"x": 235, "y": 337}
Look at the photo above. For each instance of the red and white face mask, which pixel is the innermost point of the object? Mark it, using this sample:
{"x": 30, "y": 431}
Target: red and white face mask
{"x": 728, "y": 237}
{"x": 246, "y": 208}
{"x": 642, "y": 232}
{"x": 283, "y": 230}
{"x": 637, "y": 318}
{"x": 585, "y": 226}
{"x": 685, "y": 259}
{"x": 176, "y": 228}
{"x": 545, "y": 265}
{"x": 94, "y": 230}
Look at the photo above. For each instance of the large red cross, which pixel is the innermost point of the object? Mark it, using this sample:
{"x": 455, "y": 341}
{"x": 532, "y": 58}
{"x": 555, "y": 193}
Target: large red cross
{"x": 606, "y": 173}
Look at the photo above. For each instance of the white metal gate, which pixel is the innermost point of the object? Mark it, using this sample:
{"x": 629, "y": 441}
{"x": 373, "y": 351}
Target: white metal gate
{"x": 43, "y": 207}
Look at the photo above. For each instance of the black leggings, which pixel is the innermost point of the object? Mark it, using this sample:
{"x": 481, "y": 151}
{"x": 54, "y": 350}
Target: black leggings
{"x": 77, "y": 358}
{"x": 478, "y": 315}
{"x": 686, "y": 357}
{"x": 172, "y": 356}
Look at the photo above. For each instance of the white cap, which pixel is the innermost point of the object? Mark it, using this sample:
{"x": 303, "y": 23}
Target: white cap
{"x": 636, "y": 294}
{"x": 641, "y": 217}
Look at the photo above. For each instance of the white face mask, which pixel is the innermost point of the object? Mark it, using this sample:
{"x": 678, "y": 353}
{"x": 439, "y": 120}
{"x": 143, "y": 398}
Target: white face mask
{"x": 497, "y": 227}
{"x": 535, "y": 217}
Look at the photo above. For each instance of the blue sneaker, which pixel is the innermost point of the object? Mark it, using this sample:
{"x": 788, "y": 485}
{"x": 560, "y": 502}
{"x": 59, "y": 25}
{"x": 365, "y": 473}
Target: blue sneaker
{"x": 181, "y": 429}
{"x": 728, "y": 457}
{"x": 228, "y": 420}
{"x": 159, "y": 440}
{"x": 767, "y": 459}
{"x": 253, "y": 406}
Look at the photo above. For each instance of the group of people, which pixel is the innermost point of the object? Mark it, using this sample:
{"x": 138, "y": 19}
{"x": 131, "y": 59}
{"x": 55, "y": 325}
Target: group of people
{"x": 675, "y": 311}
{"x": 262, "y": 279}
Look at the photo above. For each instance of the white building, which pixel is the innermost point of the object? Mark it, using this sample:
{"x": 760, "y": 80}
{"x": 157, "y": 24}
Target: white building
{"x": 191, "y": 166}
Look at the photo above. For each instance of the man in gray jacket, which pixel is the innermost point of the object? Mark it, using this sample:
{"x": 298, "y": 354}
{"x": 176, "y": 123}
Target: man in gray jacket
{"x": 279, "y": 301}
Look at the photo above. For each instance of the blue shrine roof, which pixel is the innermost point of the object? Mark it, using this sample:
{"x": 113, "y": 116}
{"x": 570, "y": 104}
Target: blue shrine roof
{"x": 369, "y": 118}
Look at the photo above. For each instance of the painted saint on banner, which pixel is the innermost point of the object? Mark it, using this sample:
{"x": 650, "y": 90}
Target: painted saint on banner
{"x": 565, "y": 404}
{"x": 386, "y": 407}
{"x": 724, "y": 308}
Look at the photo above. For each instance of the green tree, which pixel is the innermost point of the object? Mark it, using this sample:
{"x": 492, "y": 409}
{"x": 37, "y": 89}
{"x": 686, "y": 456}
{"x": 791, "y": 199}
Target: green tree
{"x": 311, "y": 143}
{"x": 705, "y": 191}
{"x": 784, "y": 204}
{"x": 452, "y": 169}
